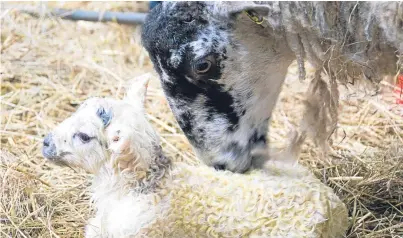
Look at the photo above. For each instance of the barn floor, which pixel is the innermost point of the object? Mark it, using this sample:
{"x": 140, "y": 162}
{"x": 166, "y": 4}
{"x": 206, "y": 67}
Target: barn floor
{"x": 49, "y": 66}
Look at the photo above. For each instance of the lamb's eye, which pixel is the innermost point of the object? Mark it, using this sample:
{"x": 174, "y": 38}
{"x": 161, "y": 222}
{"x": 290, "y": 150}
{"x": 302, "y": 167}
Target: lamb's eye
{"x": 202, "y": 66}
{"x": 83, "y": 137}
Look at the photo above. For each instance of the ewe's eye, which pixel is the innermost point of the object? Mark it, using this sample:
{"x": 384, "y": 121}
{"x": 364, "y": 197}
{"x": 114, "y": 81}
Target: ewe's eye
{"x": 202, "y": 66}
{"x": 83, "y": 137}
{"x": 188, "y": 18}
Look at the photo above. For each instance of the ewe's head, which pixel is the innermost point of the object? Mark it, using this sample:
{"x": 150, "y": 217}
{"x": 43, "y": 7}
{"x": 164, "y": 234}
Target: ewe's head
{"x": 105, "y": 130}
{"x": 214, "y": 69}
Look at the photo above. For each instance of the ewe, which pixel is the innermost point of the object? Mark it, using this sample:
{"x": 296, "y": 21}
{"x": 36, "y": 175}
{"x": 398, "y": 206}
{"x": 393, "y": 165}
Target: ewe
{"x": 138, "y": 192}
{"x": 222, "y": 72}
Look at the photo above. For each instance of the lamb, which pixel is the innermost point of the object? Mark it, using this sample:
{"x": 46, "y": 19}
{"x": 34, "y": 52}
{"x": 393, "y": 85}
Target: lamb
{"x": 138, "y": 192}
{"x": 222, "y": 65}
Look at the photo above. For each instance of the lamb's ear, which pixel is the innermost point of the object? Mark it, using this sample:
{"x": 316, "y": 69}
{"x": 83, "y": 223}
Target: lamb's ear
{"x": 105, "y": 116}
{"x": 124, "y": 154}
{"x": 137, "y": 90}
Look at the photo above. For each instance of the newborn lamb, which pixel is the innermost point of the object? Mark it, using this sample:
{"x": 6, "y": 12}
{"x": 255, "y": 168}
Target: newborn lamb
{"x": 138, "y": 192}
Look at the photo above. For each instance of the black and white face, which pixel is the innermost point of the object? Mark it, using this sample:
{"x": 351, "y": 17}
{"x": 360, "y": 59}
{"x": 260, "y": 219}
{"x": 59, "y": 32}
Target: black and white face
{"x": 215, "y": 79}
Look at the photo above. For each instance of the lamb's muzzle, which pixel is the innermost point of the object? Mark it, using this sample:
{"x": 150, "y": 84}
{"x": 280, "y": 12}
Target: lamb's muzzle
{"x": 49, "y": 147}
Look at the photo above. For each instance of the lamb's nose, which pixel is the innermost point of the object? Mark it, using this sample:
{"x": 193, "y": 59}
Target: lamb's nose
{"x": 46, "y": 141}
{"x": 49, "y": 147}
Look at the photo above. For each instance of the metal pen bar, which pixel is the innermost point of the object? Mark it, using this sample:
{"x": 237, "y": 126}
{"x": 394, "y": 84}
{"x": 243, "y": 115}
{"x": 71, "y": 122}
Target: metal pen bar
{"x": 129, "y": 18}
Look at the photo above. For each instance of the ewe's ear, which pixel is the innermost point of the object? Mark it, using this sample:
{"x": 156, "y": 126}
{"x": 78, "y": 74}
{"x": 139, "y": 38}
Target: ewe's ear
{"x": 229, "y": 8}
{"x": 137, "y": 90}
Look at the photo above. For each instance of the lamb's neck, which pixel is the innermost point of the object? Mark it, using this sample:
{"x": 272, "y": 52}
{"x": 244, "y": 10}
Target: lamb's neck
{"x": 136, "y": 180}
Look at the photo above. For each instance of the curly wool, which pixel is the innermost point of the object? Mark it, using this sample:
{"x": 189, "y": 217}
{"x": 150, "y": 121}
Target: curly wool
{"x": 180, "y": 200}
{"x": 350, "y": 39}
{"x": 283, "y": 201}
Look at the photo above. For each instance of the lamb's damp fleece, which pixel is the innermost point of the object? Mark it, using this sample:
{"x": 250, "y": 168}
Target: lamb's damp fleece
{"x": 138, "y": 192}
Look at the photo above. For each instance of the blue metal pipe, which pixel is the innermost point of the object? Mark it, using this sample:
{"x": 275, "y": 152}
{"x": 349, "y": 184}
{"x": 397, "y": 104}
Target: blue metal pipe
{"x": 129, "y": 18}
{"x": 119, "y": 17}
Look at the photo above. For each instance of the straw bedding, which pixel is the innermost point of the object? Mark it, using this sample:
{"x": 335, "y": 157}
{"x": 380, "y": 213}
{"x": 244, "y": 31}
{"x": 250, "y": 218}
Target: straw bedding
{"x": 49, "y": 66}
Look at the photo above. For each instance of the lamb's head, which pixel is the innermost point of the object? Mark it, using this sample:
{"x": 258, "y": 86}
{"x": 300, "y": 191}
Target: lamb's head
{"x": 105, "y": 131}
{"x": 221, "y": 73}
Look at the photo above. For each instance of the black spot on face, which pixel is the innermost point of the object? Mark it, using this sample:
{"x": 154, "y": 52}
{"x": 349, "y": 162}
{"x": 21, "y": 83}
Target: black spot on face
{"x": 185, "y": 122}
{"x": 218, "y": 102}
{"x": 257, "y": 137}
{"x": 222, "y": 102}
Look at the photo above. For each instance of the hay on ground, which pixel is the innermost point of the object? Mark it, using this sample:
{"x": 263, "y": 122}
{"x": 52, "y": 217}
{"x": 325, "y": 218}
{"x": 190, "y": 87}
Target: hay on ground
{"x": 49, "y": 66}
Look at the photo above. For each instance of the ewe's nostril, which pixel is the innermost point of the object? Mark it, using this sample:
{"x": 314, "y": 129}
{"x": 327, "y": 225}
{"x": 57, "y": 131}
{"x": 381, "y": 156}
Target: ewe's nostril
{"x": 219, "y": 166}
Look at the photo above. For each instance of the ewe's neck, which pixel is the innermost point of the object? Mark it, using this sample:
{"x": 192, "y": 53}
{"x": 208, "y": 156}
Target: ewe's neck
{"x": 132, "y": 179}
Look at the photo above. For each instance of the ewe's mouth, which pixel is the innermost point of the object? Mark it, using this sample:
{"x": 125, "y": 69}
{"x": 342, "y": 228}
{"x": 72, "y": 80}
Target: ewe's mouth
{"x": 241, "y": 159}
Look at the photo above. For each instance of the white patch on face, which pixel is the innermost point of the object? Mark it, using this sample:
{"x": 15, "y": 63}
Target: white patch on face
{"x": 164, "y": 75}
{"x": 206, "y": 39}
{"x": 176, "y": 57}
{"x": 204, "y": 42}
{"x": 214, "y": 129}
{"x": 201, "y": 47}
{"x": 189, "y": 79}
